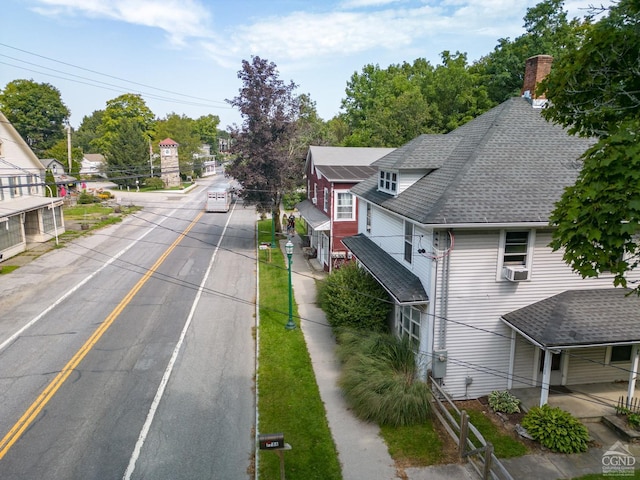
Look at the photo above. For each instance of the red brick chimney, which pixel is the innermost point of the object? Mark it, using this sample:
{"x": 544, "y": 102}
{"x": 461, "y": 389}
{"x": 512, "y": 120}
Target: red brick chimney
{"x": 536, "y": 69}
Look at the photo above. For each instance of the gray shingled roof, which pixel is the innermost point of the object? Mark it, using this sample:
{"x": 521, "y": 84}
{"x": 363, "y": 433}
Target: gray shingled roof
{"x": 508, "y": 165}
{"x": 580, "y": 317}
{"x": 322, "y": 155}
{"x": 347, "y": 174}
{"x": 314, "y": 217}
{"x": 397, "y": 280}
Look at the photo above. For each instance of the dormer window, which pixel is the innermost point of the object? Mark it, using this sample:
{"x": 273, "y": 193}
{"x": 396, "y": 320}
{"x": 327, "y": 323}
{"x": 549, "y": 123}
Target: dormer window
{"x": 388, "y": 182}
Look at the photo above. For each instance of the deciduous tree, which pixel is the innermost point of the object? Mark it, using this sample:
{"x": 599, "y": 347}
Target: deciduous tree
{"x": 595, "y": 91}
{"x": 548, "y": 32}
{"x": 60, "y": 152}
{"x": 36, "y": 111}
{"x": 264, "y": 162}
{"x": 206, "y": 127}
{"x": 125, "y": 107}
{"x": 182, "y": 130}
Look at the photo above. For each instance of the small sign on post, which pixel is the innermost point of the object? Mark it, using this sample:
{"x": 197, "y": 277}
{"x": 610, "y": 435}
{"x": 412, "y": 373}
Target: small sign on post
{"x": 275, "y": 442}
{"x": 271, "y": 441}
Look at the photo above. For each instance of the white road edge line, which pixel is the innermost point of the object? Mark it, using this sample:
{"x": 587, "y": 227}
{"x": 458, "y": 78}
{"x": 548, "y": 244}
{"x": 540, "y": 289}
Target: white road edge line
{"x": 174, "y": 356}
{"x": 33, "y": 321}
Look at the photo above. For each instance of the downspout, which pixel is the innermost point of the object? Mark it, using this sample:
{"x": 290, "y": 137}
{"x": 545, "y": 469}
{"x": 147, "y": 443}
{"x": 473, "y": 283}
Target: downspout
{"x": 431, "y": 314}
{"x": 633, "y": 375}
{"x": 330, "y": 245}
{"x": 444, "y": 302}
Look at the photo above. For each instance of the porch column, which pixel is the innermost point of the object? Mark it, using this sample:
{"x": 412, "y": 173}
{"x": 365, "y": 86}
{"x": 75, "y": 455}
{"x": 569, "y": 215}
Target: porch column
{"x": 633, "y": 374}
{"x": 546, "y": 377}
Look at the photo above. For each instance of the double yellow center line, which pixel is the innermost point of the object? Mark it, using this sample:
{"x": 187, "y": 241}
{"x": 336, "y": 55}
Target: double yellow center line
{"x": 36, "y": 407}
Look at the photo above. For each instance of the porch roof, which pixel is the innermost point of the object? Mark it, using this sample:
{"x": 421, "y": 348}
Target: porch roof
{"x": 403, "y": 285}
{"x": 314, "y": 217}
{"x": 27, "y": 203}
{"x": 580, "y": 318}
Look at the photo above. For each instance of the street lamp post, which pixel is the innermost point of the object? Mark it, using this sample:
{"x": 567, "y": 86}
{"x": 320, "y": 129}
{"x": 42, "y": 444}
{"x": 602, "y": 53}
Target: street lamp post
{"x": 289, "y": 250}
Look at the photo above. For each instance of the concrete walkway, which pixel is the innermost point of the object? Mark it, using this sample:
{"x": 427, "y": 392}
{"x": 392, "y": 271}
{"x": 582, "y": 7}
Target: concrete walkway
{"x": 363, "y": 453}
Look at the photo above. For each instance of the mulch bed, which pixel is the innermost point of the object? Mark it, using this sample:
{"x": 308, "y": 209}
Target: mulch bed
{"x": 506, "y": 422}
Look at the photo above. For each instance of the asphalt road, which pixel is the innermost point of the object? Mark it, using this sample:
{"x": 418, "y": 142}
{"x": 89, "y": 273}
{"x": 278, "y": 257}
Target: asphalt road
{"x": 130, "y": 353}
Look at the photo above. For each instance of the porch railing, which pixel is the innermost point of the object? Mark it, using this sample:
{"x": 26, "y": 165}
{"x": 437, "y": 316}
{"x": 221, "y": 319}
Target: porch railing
{"x": 479, "y": 454}
{"x": 630, "y": 404}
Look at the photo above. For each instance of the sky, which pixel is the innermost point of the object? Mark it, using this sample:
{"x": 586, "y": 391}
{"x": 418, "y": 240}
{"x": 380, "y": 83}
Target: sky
{"x": 183, "y": 56}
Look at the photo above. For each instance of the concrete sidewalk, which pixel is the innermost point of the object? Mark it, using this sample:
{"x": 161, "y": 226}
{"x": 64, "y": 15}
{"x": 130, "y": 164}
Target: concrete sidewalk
{"x": 363, "y": 453}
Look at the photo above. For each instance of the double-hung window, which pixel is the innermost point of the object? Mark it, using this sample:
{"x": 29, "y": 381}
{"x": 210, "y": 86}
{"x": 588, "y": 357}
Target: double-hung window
{"x": 408, "y": 241}
{"x": 516, "y": 248}
{"x": 515, "y": 255}
{"x": 344, "y": 206}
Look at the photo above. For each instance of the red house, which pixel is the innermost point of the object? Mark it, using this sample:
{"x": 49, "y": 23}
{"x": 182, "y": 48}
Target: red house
{"x": 330, "y": 210}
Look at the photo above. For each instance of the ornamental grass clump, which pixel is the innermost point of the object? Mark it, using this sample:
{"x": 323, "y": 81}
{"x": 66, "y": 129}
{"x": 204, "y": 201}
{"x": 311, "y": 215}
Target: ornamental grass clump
{"x": 379, "y": 379}
{"x": 556, "y": 429}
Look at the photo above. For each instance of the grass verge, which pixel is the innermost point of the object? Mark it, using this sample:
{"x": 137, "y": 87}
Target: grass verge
{"x": 288, "y": 396}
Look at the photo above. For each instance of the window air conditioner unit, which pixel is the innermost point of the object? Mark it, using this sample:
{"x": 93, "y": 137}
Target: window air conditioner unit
{"x": 314, "y": 200}
{"x": 515, "y": 274}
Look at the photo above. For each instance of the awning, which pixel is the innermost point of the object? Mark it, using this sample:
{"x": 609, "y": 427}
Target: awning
{"x": 314, "y": 217}
{"x": 26, "y": 204}
{"x": 401, "y": 284}
{"x": 580, "y": 318}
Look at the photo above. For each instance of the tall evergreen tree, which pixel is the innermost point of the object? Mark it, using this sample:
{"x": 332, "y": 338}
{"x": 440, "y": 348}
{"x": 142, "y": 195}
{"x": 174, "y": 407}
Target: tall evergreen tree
{"x": 128, "y": 153}
{"x": 88, "y": 132}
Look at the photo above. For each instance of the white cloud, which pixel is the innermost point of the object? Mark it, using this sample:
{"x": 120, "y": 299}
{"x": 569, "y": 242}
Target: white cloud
{"x": 349, "y": 4}
{"x": 353, "y": 27}
{"x": 180, "y": 19}
{"x": 300, "y": 35}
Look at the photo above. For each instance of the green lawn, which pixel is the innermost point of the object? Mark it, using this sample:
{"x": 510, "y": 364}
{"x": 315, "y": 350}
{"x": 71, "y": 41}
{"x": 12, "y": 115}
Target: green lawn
{"x": 416, "y": 445}
{"x": 288, "y": 397}
{"x": 504, "y": 446}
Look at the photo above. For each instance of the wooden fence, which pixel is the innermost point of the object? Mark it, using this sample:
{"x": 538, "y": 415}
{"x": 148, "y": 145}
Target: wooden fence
{"x": 481, "y": 456}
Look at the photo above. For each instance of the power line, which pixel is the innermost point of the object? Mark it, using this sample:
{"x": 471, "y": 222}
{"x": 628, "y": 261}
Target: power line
{"x": 477, "y": 367}
{"x": 107, "y": 75}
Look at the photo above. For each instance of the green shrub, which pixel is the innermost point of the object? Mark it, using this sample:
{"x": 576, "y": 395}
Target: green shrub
{"x": 86, "y": 198}
{"x": 380, "y": 381}
{"x": 556, "y": 429}
{"x": 503, "y": 401}
{"x": 289, "y": 200}
{"x": 634, "y": 420}
{"x": 351, "y": 297}
{"x": 154, "y": 183}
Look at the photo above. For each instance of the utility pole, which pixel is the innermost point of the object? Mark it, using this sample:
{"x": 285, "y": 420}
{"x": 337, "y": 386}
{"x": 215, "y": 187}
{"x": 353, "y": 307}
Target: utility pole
{"x": 69, "y": 146}
{"x": 151, "y": 157}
